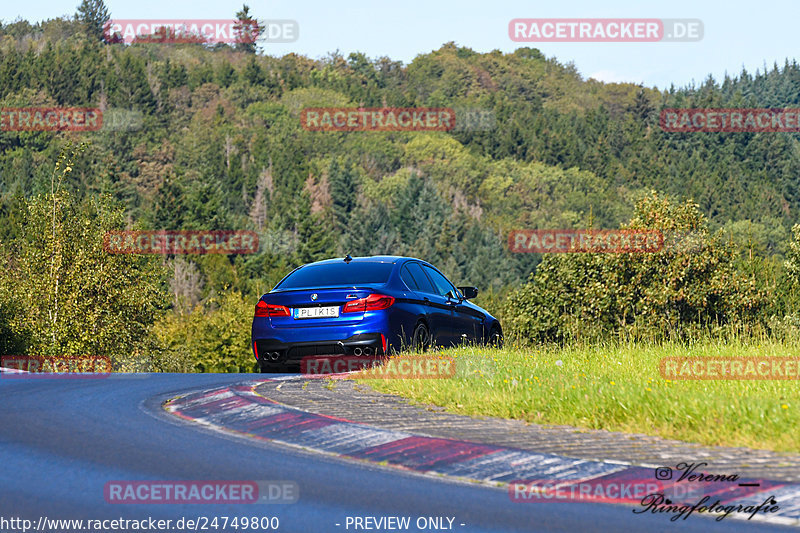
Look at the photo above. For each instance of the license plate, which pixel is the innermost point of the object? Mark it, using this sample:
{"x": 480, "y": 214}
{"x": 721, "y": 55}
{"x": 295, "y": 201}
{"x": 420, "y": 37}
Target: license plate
{"x": 316, "y": 312}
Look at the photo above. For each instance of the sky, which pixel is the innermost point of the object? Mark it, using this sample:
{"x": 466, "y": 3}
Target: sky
{"x": 737, "y": 34}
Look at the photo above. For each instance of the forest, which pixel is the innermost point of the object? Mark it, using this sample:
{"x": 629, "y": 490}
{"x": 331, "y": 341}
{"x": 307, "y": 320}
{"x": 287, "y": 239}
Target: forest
{"x": 210, "y": 137}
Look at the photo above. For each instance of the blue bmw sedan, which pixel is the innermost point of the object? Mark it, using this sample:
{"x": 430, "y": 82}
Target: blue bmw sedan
{"x": 365, "y": 306}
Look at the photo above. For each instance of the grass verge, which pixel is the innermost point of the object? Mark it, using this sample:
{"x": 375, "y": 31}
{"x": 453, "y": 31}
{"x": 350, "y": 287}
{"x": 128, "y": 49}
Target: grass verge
{"x": 618, "y": 387}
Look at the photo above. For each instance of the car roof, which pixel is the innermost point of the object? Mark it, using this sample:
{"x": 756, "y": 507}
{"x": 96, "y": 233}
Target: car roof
{"x": 368, "y": 259}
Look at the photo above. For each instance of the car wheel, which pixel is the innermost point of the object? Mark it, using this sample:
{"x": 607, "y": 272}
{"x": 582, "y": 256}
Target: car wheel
{"x": 495, "y": 337}
{"x": 421, "y": 339}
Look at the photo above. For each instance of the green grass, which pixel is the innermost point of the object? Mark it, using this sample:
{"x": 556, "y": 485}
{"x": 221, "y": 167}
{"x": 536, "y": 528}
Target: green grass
{"x": 618, "y": 387}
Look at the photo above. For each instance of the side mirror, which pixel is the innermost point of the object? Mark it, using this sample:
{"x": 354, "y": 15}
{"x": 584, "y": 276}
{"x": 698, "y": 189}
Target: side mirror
{"x": 469, "y": 292}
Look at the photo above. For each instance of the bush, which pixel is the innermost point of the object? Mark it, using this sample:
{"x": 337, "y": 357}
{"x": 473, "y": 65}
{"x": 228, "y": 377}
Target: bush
{"x": 62, "y": 294}
{"x": 214, "y": 337}
{"x": 67, "y": 295}
{"x": 690, "y": 285}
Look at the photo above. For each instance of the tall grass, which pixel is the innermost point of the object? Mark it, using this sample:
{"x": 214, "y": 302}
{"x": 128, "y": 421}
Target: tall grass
{"x": 616, "y": 385}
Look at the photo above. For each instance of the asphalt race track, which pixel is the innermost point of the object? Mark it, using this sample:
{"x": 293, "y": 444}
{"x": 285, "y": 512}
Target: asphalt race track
{"x": 62, "y": 440}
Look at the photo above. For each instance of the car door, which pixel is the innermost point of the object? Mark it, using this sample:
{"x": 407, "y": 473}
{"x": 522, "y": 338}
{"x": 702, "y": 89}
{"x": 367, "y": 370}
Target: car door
{"x": 439, "y": 312}
{"x": 466, "y": 323}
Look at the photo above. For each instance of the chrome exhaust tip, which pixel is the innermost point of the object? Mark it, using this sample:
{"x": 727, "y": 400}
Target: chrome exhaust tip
{"x": 368, "y": 351}
{"x": 357, "y": 352}
{"x": 274, "y": 356}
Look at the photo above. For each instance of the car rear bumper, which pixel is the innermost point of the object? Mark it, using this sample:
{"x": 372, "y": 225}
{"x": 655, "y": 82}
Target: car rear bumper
{"x": 276, "y": 352}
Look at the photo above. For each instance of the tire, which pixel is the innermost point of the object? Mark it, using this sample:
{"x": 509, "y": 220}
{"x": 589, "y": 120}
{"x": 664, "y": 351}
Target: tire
{"x": 421, "y": 339}
{"x": 495, "y": 338}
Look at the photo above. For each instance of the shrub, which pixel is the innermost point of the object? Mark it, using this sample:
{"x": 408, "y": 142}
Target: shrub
{"x": 214, "y": 337}
{"x": 692, "y": 284}
{"x": 62, "y": 294}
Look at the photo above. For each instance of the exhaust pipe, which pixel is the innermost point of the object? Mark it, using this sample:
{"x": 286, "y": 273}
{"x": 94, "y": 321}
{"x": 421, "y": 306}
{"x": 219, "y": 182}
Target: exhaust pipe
{"x": 357, "y": 352}
{"x": 368, "y": 351}
{"x": 274, "y": 356}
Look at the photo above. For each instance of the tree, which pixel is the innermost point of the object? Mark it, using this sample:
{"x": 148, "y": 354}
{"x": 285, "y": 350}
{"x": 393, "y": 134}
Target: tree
{"x": 690, "y": 284}
{"x": 225, "y": 74}
{"x": 71, "y": 297}
{"x": 343, "y": 182}
{"x": 252, "y": 73}
{"x": 94, "y": 15}
{"x": 373, "y": 235}
{"x": 315, "y": 240}
{"x": 792, "y": 263}
{"x": 642, "y": 108}
{"x": 133, "y": 89}
{"x": 248, "y": 30}
{"x": 213, "y": 338}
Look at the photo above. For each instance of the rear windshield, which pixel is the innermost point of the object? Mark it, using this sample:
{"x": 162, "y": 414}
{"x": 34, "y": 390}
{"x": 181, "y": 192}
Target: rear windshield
{"x": 337, "y": 275}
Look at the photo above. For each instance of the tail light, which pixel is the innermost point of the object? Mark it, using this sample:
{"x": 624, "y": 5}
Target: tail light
{"x": 263, "y": 309}
{"x": 373, "y": 302}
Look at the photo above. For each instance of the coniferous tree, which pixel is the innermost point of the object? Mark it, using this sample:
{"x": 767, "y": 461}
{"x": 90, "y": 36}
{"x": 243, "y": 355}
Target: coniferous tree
{"x": 133, "y": 90}
{"x": 252, "y": 73}
{"x": 169, "y": 211}
{"x": 314, "y": 238}
{"x": 248, "y": 30}
{"x": 94, "y": 15}
{"x": 343, "y": 182}
{"x": 372, "y": 235}
{"x": 225, "y": 74}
